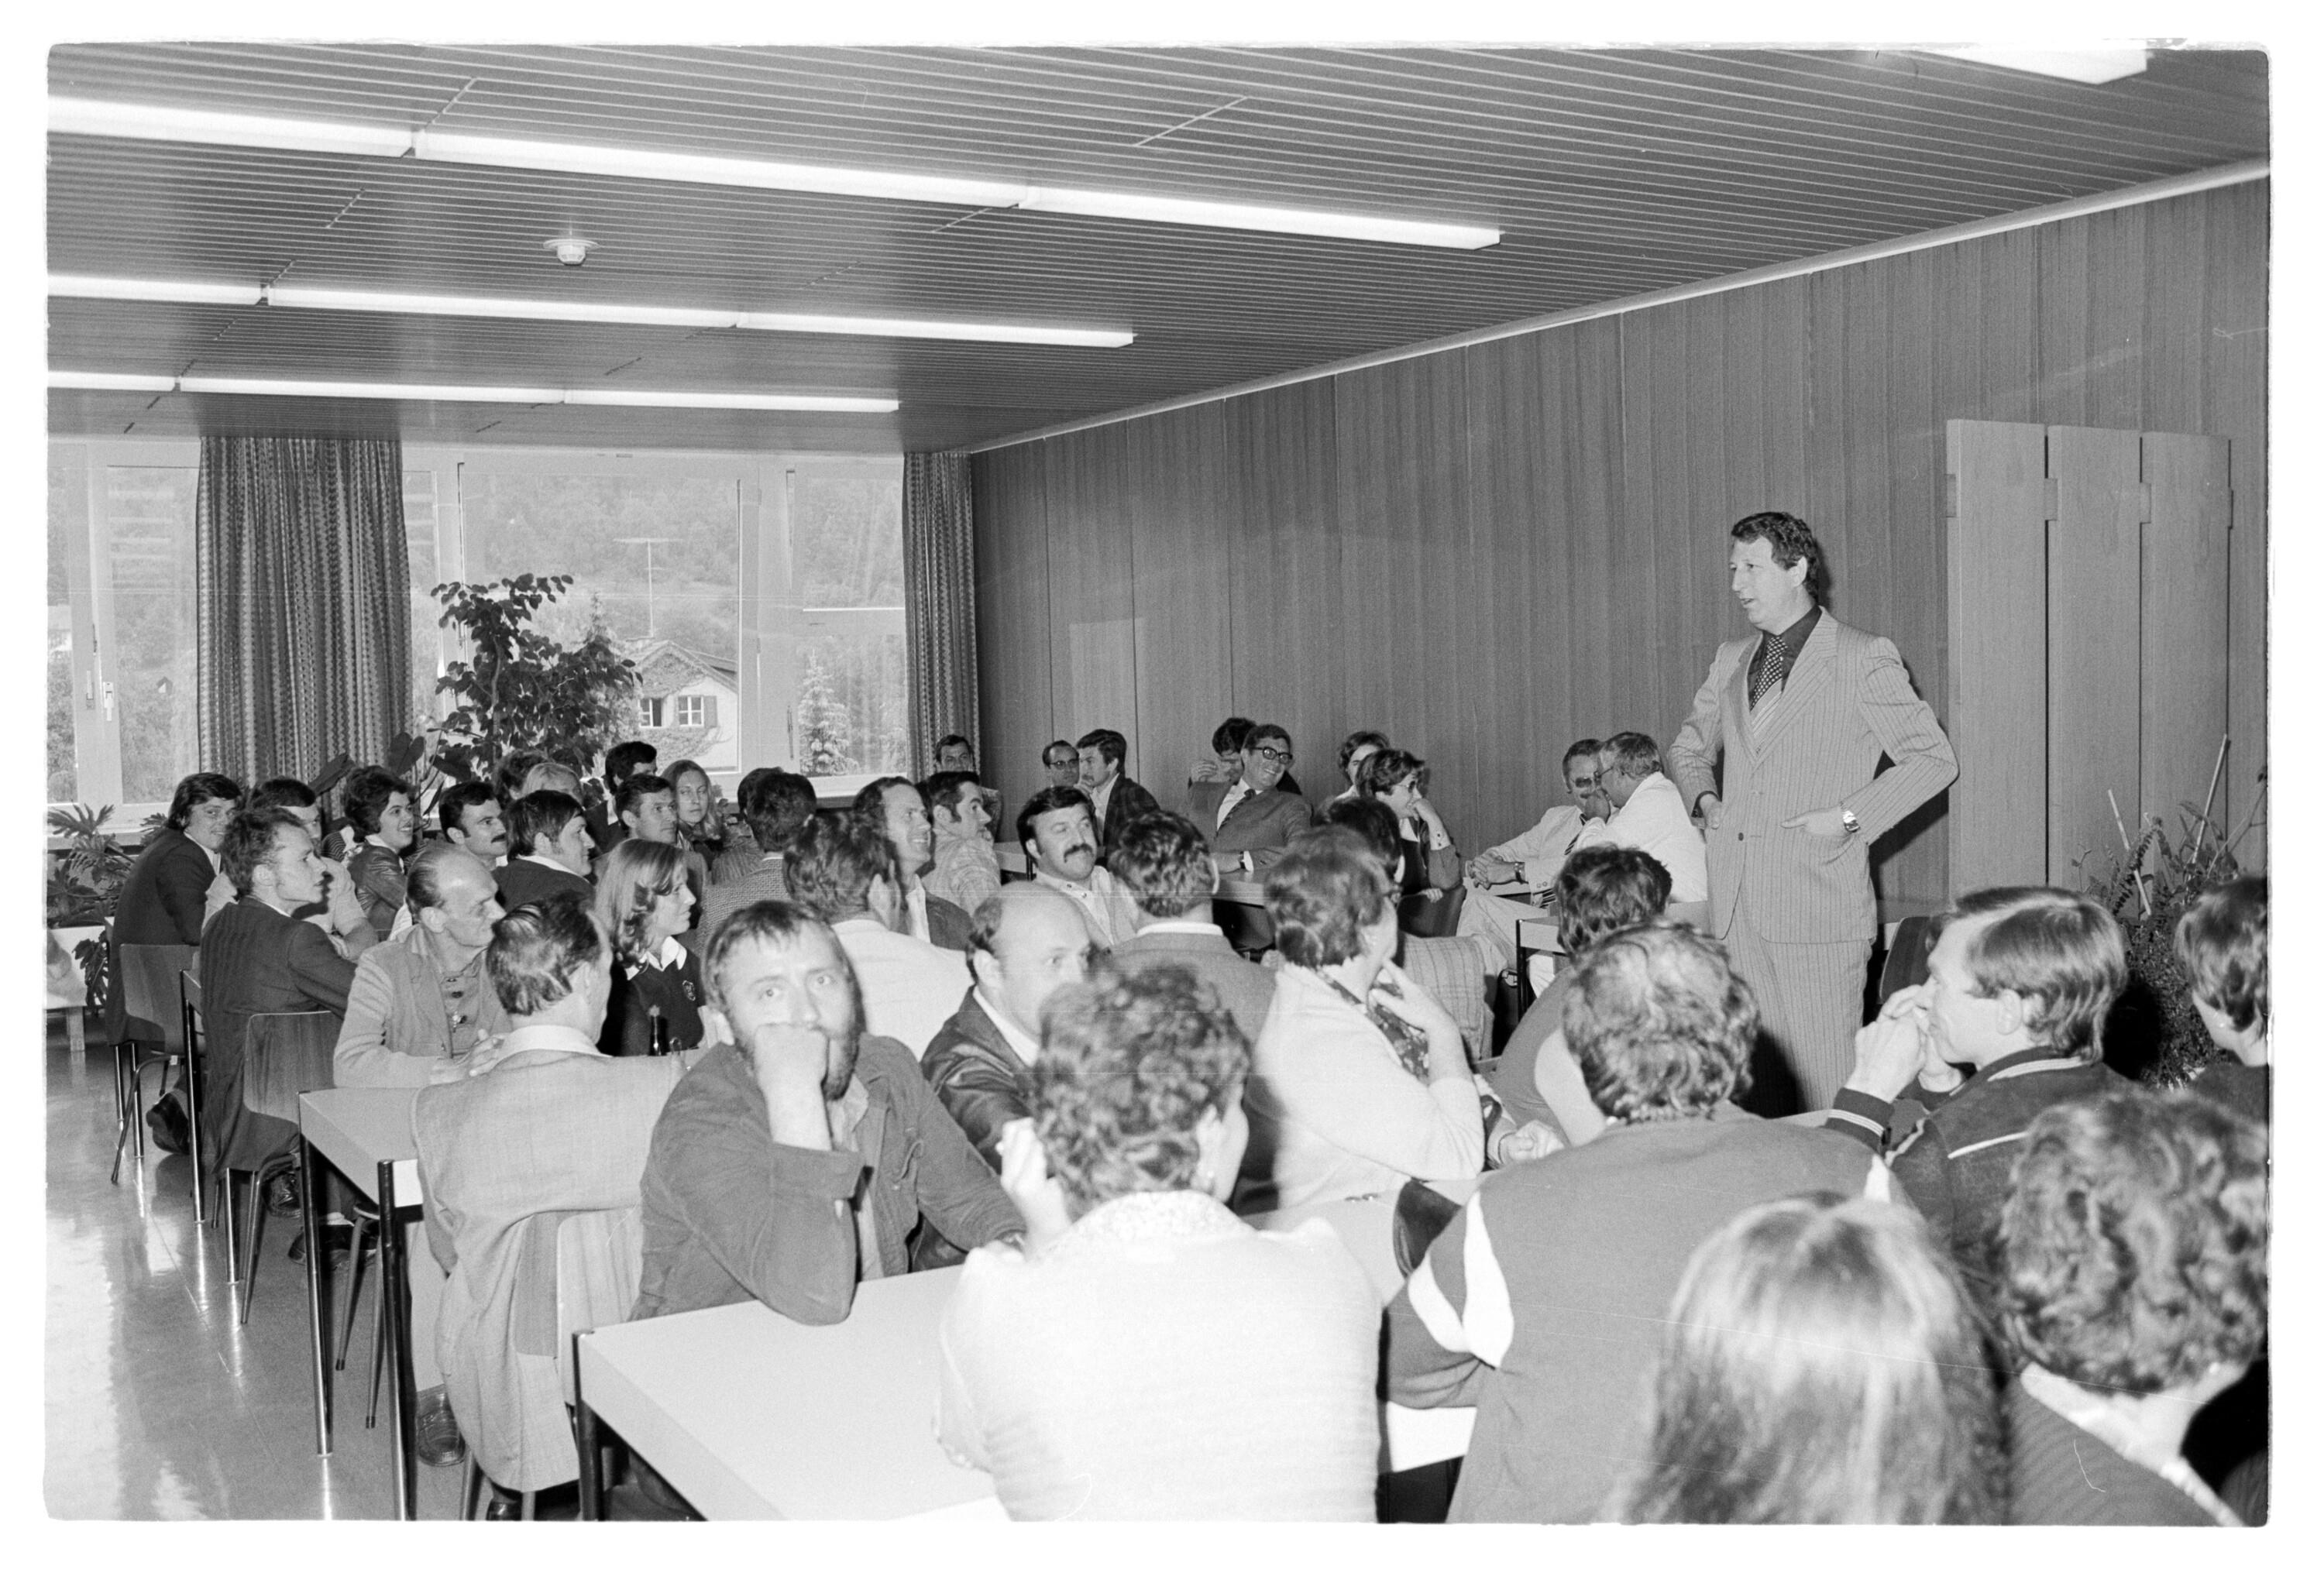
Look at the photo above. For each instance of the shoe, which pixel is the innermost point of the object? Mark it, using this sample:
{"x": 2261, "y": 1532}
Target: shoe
{"x": 338, "y": 1243}
{"x": 166, "y": 1120}
{"x": 282, "y": 1196}
{"x": 504, "y": 1506}
{"x": 437, "y": 1434}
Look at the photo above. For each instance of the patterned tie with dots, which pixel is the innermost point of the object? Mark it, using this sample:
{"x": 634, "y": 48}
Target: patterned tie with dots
{"x": 1764, "y": 674}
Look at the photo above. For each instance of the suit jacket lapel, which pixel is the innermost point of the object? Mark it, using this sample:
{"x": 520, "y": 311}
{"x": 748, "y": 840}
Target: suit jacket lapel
{"x": 1812, "y": 673}
{"x": 1738, "y": 700}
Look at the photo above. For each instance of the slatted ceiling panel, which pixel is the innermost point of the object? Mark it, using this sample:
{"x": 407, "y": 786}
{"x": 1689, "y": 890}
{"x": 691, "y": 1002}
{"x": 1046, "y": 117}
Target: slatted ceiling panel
{"x": 1611, "y": 173}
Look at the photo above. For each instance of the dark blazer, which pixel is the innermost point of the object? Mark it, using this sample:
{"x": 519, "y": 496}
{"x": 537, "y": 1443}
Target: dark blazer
{"x": 948, "y": 924}
{"x": 1128, "y": 801}
{"x": 2061, "y": 1473}
{"x": 378, "y": 876}
{"x": 161, "y": 900}
{"x": 255, "y": 960}
{"x": 522, "y": 882}
{"x": 978, "y": 1076}
{"x": 639, "y": 992}
{"x": 1244, "y": 988}
{"x": 1262, "y": 824}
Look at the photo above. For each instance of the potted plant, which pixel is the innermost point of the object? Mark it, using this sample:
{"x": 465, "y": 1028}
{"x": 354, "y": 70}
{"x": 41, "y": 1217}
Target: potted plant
{"x": 519, "y": 687}
{"x": 2153, "y": 1033}
{"x": 84, "y": 887}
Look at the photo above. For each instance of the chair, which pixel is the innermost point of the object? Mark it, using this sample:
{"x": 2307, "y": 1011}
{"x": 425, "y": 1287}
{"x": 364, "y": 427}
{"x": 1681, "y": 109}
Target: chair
{"x": 146, "y": 1016}
{"x": 286, "y": 1054}
{"x": 598, "y": 1263}
{"x": 1907, "y": 962}
{"x": 1453, "y": 968}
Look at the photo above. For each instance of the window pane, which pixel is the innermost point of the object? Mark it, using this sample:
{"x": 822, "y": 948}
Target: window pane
{"x": 656, "y": 559}
{"x": 151, "y": 567}
{"x": 68, "y": 535}
{"x": 419, "y": 537}
{"x": 847, "y": 539}
{"x": 850, "y": 710}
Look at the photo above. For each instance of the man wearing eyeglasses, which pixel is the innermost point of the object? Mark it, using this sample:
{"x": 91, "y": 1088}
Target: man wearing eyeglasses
{"x": 1249, "y": 822}
{"x": 1063, "y": 761}
{"x": 1538, "y": 854}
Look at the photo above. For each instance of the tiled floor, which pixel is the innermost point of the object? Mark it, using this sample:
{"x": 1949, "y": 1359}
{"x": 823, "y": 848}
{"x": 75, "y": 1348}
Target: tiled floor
{"x": 158, "y": 1405}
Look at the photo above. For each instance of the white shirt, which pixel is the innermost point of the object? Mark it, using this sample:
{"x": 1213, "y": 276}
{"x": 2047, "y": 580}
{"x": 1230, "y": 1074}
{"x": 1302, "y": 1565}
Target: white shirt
{"x": 1100, "y": 795}
{"x": 1654, "y": 821}
{"x": 1112, "y": 915}
{"x": 1540, "y": 852}
{"x": 1235, "y": 794}
{"x": 1026, "y": 1047}
{"x": 916, "y": 910}
{"x": 910, "y": 988}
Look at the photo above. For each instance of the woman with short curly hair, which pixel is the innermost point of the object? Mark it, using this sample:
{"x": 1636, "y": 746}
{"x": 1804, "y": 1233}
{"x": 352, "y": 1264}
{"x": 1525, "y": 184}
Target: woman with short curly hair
{"x": 1150, "y": 1356}
{"x": 2134, "y": 1291}
{"x": 645, "y": 898}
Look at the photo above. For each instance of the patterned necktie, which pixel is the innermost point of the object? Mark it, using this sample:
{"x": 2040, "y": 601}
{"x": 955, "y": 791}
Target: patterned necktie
{"x": 1768, "y": 671}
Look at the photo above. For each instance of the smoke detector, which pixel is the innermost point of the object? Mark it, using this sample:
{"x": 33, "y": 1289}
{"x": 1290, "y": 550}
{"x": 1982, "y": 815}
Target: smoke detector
{"x": 572, "y": 251}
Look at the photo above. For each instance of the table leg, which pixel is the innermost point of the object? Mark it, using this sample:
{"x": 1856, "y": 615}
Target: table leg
{"x": 395, "y": 1293}
{"x": 584, "y": 1441}
{"x": 311, "y": 1221}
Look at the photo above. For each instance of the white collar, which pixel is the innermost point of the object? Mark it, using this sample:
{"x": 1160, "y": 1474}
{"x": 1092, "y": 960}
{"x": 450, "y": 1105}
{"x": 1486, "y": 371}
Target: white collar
{"x": 547, "y": 1036}
{"x": 1027, "y": 1048}
{"x": 669, "y": 955}
{"x": 1072, "y": 888}
{"x": 1182, "y": 927}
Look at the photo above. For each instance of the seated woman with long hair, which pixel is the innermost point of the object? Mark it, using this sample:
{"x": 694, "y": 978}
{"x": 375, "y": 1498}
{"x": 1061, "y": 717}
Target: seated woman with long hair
{"x": 644, "y": 900}
{"x": 1823, "y": 1364}
{"x": 1149, "y": 1355}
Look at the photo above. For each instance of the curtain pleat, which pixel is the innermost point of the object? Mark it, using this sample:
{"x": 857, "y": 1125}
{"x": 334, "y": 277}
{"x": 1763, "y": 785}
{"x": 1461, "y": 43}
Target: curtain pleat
{"x": 302, "y": 572}
{"x": 939, "y": 602}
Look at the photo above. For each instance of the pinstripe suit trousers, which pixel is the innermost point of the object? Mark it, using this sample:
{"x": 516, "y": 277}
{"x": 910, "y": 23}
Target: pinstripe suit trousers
{"x": 1810, "y": 999}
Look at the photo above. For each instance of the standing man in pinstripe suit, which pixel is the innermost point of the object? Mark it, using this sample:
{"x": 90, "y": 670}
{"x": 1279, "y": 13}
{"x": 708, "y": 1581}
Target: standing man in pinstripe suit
{"x": 1801, "y": 715}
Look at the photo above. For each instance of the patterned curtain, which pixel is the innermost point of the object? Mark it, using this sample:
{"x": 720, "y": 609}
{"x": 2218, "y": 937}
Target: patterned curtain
{"x": 939, "y": 602}
{"x": 303, "y": 635}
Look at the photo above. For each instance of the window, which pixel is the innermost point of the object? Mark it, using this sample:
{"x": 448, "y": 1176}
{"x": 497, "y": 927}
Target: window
{"x": 650, "y": 713}
{"x": 693, "y": 709}
{"x": 847, "y": 651}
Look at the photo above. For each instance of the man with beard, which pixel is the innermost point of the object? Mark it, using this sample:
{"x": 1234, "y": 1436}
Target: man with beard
{"x": 897, "y": 806}
{"x": 755, "y": 1185}
{"x": 1058, "y": 827}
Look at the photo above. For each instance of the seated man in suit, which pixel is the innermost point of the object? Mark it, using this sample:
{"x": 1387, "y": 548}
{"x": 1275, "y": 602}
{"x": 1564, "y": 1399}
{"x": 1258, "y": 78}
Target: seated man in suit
{"x": 537, "y": 1127}
{"x": 1649, "y": 817}
{"x": 967, "y": 869}
{"x": 1060, "y": 838}
{"x": 776, "y": 805}
{"x": 1537, "y": 855}
{"x": 1164, "y": 865}
{"x": 421, "y": 1002}
{"x": 1250, "y": 823}
{"x": 2019, "y": 986}
{"x": 258, "y": 957}
{"x": 1062, "y": 762}
{"x": 548, "y": 850}
{"x": 756, "y": 1187}
{"x": 1115, "y": 799}
{"x": 1025, "y": 942}
{"x": 844, "y": 870}
{"x": 897, "y": 806}
{"x": 341, "y": 913}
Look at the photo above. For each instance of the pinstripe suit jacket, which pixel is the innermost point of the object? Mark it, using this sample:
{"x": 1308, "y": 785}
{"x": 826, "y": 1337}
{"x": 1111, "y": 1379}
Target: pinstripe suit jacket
{"x": 1815, "y": 745}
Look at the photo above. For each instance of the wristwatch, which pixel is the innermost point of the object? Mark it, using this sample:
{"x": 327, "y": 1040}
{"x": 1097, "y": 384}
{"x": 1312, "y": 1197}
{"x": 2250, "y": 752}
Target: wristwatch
{"x": 1847, "y": 821}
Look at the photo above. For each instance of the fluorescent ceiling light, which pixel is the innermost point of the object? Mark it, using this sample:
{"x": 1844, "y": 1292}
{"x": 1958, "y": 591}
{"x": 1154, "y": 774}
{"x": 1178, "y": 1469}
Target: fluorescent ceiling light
{"x": 93, "y": 119}
{"x": 2102, "y": 64}
{"x": 813, "y": 324}
{"x": 347, "y": 389}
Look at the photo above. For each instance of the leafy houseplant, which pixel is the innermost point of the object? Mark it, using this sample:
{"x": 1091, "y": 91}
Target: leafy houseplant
{"x": 521, "y": 688}
{"x": 2154, "y": 1031}
{"x": 84, "y": 883}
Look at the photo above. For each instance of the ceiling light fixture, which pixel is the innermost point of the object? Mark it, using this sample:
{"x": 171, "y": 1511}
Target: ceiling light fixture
{"x": 114, "y": 289}
{"x": 361, "y": 391}
{"x": 97, "y": 118}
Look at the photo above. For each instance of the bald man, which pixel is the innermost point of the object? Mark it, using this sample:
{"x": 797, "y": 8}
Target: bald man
{"x": 1025, "y": 940}
{"x": 421, "y": 1001}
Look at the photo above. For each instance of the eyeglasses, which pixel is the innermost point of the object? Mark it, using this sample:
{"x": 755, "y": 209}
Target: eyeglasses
{"x": 1272, "y": 757}
{"x": 1062, "y": 763}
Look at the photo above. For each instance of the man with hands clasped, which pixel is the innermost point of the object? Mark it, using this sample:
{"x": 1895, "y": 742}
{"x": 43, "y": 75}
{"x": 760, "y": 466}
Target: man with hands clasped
{"x": 800, "y": 1154}
{"x": 2019, "y": 985}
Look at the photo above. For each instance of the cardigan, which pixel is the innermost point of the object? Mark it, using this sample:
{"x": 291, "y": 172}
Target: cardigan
{"x": 398, "y": 1033}
{"x": 1161, "y": 1359}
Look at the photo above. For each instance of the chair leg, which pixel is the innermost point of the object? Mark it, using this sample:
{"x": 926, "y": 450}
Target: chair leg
{"x": 255, "y": 1236}
{"x": 378, "y": 1350}
{"x": 129, "y": 1124}
{"x": 524, "y": 1507}
{"x": 355, "y": 1293}
{"x": 472, "y": 1486}
{"x": 223, "y": 1191}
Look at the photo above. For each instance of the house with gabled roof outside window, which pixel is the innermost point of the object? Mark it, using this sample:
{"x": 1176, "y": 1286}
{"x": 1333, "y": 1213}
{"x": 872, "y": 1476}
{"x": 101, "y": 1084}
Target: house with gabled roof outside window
{"x": 687, "y": 703}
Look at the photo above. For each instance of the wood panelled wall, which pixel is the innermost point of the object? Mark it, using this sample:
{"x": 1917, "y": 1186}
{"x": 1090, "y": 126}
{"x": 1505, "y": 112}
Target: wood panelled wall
{"x": 1486, "y": 553}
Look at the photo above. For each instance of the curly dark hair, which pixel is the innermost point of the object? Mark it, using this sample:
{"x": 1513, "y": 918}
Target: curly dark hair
{"x": 1325, "y": 893}
{"x": 1164, "y": 862}
{"x": 1389, "y": 768}
{"x": 834, "y": 860}
{"x": 1788, "y": 538}
{"x": 1659, "y": 1023}
{"x": 1602, "y": 889}
{"x": 1359, "y": 739}
{"x": 2133, "y": 1244}
{"x": 2222, "y": 946}
{"x": 366, "y": 794}
{"x": 1130, "y": 1063}
{"x": 199, "y": 787}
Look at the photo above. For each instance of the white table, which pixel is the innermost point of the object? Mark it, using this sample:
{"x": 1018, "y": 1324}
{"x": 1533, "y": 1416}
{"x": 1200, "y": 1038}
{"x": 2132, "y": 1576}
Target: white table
{"x": 1410, "y": 1436}
{"x": 366, "y": 1133}
{"x": 749, "y": 1414}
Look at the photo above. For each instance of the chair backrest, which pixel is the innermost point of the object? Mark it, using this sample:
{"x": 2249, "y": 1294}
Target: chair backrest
{"x": 1908, "y": 954}
{"x": 148, "y": 976}
{"x": 287, "y": 1054}
{"x": 600, "y": 1261}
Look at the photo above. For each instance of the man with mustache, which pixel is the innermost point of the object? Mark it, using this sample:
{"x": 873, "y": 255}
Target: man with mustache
{"x": 1059, "y": 830}
{"x": 755, "y": 1185}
